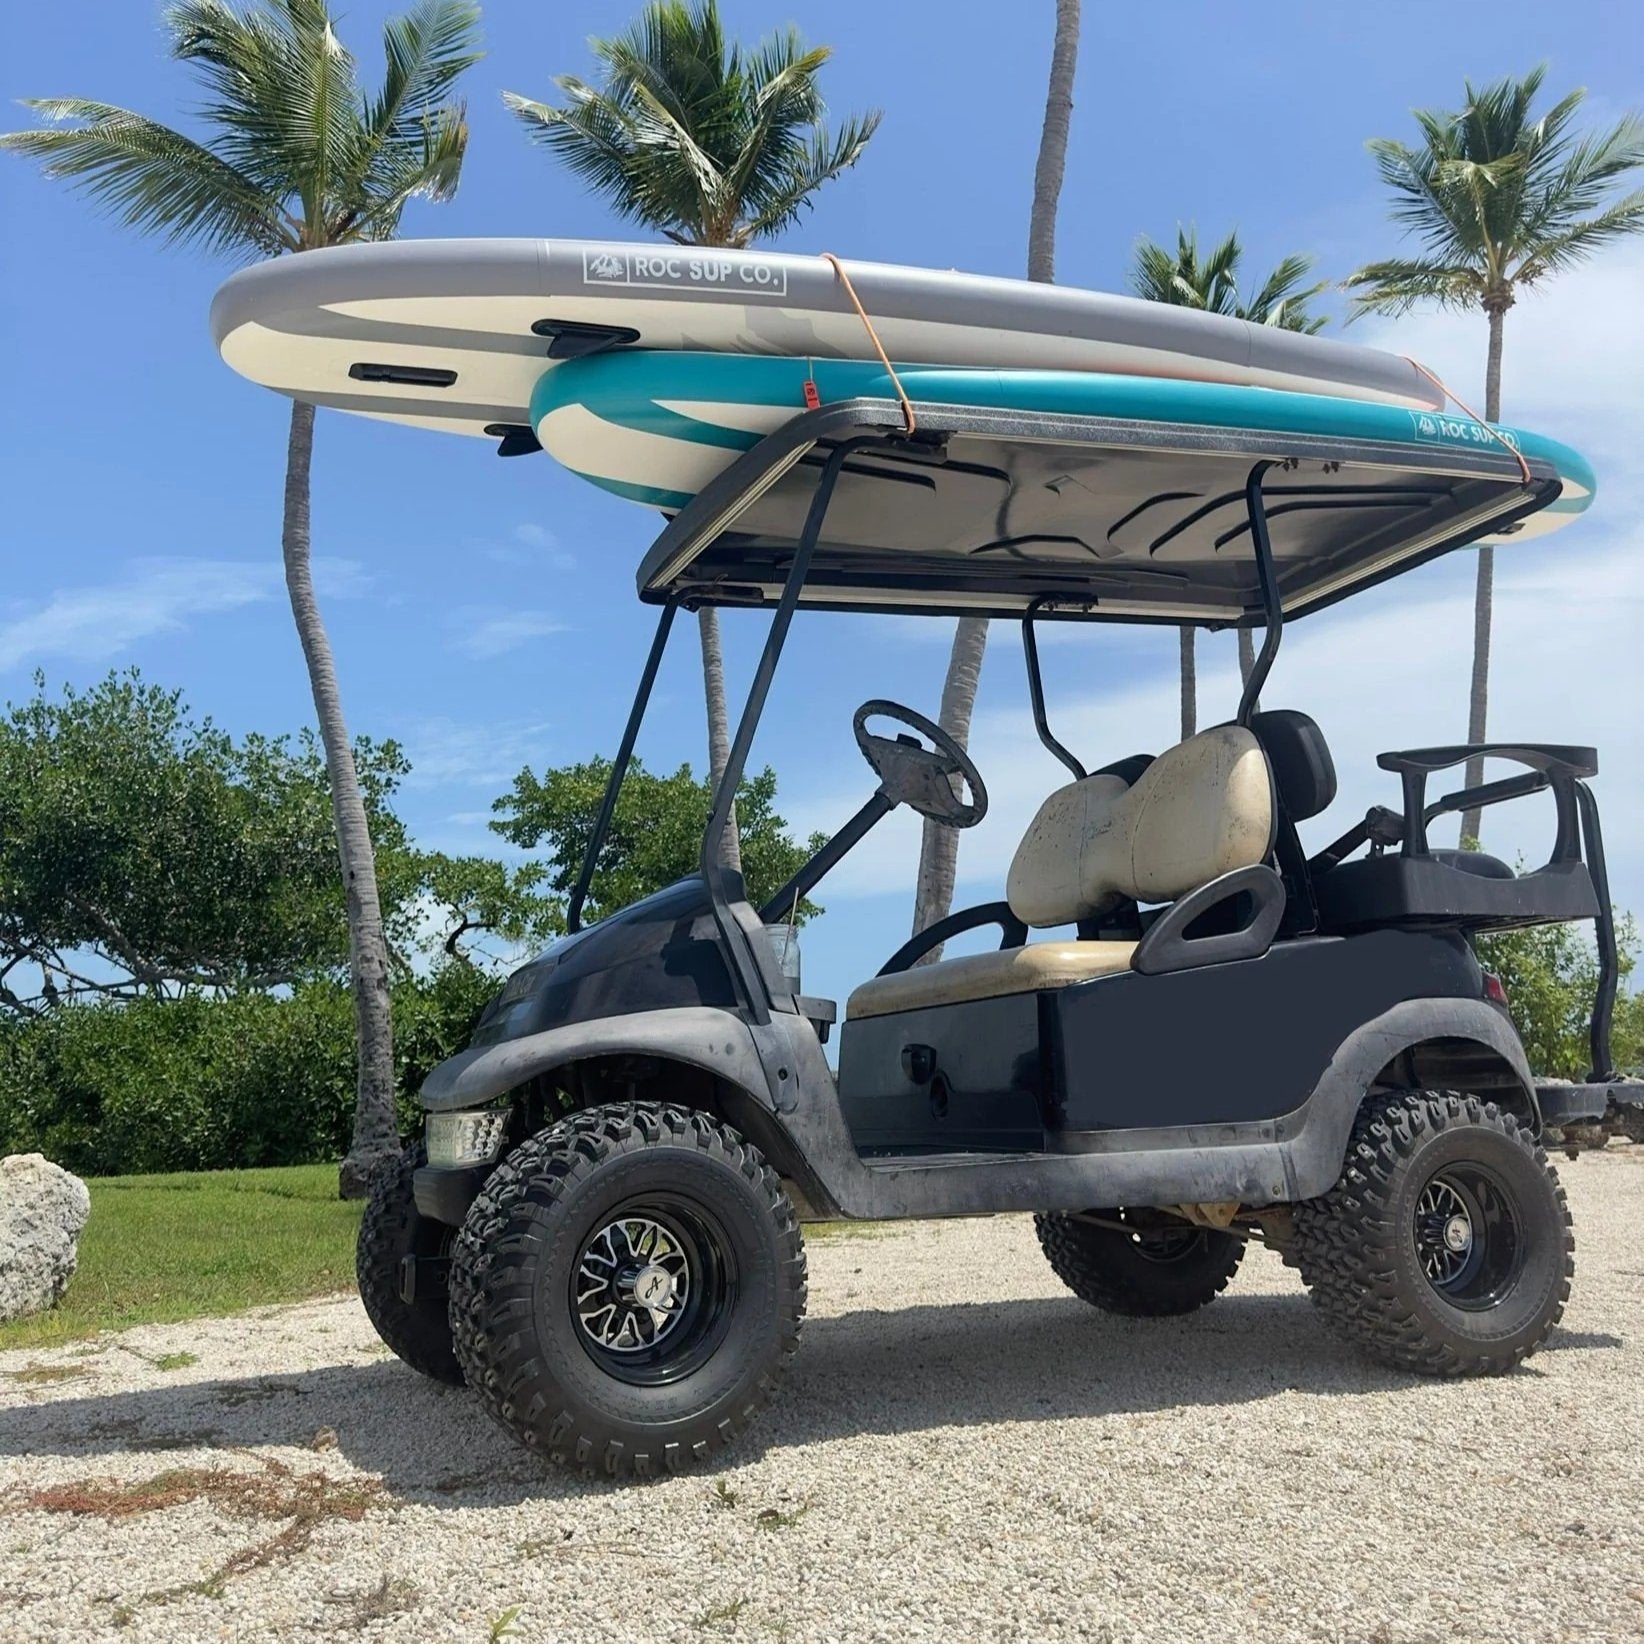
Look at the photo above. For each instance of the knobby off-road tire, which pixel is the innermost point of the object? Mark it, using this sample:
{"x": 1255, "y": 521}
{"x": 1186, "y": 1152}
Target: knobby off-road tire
{"x": 1149, "y": 1275}
{"x": 1447, "y": 1246}
{"x": 627, "y": 1289}
{"x": 391, "y": 1229}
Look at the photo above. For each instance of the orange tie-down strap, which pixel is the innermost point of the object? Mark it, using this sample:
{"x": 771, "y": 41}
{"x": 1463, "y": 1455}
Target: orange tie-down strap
{"x": 873, "y": 337}
{"x": 1494, "y": 433}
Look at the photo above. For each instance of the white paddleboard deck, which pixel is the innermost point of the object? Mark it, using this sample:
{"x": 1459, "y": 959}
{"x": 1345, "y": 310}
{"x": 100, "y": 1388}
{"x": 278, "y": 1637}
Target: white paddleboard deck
{"x": 439, "y": 333}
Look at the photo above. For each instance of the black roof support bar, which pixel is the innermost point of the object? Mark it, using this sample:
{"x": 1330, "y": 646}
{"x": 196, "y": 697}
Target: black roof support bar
{"x": 1268, "y": 580}
{"x": 737, "y": 944}
{"x": 619, "y": 769}
{"x": 1036, "y": 692}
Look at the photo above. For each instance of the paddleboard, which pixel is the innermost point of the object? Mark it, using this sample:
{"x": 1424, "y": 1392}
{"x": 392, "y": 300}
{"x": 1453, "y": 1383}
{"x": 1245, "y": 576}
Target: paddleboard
{"x": 657, "y": 428}
{"x": 455, "y": 334}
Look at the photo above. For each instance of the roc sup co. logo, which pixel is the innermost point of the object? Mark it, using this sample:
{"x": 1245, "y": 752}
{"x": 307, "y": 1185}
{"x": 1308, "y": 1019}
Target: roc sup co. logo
{"x": 1435, "y": 425}
{"x": 684, "y": 270}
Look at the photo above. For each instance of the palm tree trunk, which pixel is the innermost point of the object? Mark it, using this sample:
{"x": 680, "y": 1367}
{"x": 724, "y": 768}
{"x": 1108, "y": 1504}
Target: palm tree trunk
{"x": 1247, "y": 654}
{"x": 1190, "y": 684}
{"x": 1478, "y": 693}
{"x": 376, "y": 1136}
{"x": 1047, "y": 172}
{"x": 719, "y": 724}
{"x": 939, "y": 849}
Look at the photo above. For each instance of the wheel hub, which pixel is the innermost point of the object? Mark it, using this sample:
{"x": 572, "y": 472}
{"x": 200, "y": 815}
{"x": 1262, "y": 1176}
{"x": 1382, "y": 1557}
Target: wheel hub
{"x": 1467, "y": 1236}
{"x": 633, "y": 1280}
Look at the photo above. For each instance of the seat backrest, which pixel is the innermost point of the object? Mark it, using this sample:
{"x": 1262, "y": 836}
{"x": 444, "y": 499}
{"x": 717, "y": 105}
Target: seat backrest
{"x": 1198, "y": 811}
{"x": 1303, "y": 771}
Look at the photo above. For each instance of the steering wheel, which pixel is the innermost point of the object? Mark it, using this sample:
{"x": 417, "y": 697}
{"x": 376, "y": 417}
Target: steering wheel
{"x": 921, "y": 778}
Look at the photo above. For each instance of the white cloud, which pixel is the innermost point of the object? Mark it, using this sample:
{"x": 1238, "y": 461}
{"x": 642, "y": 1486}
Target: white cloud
{"x": 533, "y": 545}
{"x": 447, "y": 752}
{"x": 154, "y": 596}
{"x": 486, "y": 635}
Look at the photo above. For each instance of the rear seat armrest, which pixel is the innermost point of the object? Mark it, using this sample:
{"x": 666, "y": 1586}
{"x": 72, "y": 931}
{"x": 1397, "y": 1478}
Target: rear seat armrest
{"x": 1167, "y": 946}
{"x": 1561, "y": 765}
{"x": 1012, "y": 933}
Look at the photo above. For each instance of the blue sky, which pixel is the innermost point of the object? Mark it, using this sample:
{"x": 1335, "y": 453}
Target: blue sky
{"x": 483, "y": 612}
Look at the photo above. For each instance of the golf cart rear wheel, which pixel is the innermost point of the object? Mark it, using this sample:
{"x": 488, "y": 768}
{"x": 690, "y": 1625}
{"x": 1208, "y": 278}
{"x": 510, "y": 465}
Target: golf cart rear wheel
{"x": 1446, "y": 1247}
{"x": 627, "y": 1289}
{"x": 1152, "y": 1272}
{"x": 419, "y": 1331}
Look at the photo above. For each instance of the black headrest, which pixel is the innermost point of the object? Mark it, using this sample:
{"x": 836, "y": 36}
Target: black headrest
{"x": 1127, "y": 769}
{"x": 1303, "y": 770}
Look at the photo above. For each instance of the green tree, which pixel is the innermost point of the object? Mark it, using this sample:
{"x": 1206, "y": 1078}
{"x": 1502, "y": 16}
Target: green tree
{"x": 939, "y": 846}
{"x": 144, "y": 853}
{"x": 1550, "y": 973}
{"x": 656, "y": 832}
{"x": 1498, "y": 200}
{"x": 710, "y": 143}
{"x": 1210, "y": 283}
{"x": 299, "y": 155}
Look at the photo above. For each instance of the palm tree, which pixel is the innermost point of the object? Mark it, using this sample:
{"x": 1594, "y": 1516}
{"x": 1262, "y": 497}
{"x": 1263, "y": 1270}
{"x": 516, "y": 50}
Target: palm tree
{"x": 939, "y": 846}
{"x": 1498, "y": 201}
{"x": 299, "y": 155}
{"x": 1210, "y": 283}
{"x": 709, "y": 143}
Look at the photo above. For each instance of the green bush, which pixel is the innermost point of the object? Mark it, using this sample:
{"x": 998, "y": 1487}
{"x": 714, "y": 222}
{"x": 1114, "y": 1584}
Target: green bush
{"x": 213, "y": 1084}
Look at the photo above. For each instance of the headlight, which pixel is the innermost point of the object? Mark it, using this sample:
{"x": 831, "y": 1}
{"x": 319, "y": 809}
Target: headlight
{"x": 468, "y": 1138}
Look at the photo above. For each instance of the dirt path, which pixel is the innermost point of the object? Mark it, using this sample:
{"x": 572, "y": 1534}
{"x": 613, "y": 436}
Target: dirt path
{"x": 965, "y": 1452}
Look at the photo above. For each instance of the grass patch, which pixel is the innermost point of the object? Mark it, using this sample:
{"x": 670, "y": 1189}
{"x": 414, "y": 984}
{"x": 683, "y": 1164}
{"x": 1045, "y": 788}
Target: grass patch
{"x": 161, "y": 1249}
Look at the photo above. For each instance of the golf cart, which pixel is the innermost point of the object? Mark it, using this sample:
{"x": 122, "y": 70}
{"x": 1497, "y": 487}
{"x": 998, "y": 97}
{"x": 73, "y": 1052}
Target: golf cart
{"x": 1233, "y": 1038}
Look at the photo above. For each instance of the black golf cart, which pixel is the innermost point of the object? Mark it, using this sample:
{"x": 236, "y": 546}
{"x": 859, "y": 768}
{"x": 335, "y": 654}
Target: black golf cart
{"x": 1230, "y": 1040}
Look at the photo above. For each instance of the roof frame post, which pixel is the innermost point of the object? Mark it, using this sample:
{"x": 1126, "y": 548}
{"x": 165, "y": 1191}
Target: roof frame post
{"x": 619, "y": 769}
{"x": 1036, "y": 693}
{"x": 745, "y": 962}
{"x": 1267, "y": 579}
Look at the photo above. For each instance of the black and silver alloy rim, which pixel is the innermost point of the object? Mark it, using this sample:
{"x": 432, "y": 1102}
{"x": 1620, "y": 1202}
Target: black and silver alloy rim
{"x": 1468, "y": 1236}
{"x": 652, "y": 1290}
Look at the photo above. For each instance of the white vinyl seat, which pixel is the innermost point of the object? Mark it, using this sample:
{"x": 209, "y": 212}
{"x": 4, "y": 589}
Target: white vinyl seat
{"x": 1199, "y": 811}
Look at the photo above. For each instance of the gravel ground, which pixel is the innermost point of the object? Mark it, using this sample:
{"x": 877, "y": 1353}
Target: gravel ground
{"x": 964, "y": 1452}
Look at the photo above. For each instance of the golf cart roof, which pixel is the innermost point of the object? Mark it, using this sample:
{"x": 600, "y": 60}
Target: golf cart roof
{"x": 995, "y": 511}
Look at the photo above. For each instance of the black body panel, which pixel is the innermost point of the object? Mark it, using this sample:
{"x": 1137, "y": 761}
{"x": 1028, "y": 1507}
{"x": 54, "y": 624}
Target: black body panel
{"x": 662, "y": 952}
{"x": 1232, "y": 1043}
{"x": 951, "y": 1078}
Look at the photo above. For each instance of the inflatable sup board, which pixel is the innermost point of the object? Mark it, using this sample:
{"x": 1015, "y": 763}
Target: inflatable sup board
{"x": 455, "y": 334}
{"x": 657, "y": 428}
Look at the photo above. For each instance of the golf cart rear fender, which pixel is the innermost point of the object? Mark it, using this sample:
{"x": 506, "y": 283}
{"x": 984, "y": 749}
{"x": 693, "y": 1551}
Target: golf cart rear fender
{"x": 711, "y": 1041}
{"x": 1442, "y": 1044}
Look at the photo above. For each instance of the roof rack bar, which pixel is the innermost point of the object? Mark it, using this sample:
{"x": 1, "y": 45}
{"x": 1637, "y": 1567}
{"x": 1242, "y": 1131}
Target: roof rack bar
{"x": 1036, "y": 692}
{"x": 1268, "y": 580}
{"x": 619, "y": 770}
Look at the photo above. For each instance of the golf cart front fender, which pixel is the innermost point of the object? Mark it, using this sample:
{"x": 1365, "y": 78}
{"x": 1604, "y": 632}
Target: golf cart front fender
{"x": 1453, "y": 1044}
{"x": 698, "y": 1035}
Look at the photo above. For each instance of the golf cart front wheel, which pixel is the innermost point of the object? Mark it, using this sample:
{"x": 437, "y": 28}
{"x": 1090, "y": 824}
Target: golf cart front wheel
{"x": 1153, "y": 1269}
{"x": 1446, "y": 1247}
{"x": 390, "y": 1231}
{"x": 627, "y": 1289}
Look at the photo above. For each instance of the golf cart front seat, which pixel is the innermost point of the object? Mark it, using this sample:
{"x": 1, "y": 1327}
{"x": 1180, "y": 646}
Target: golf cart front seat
{"x": 1198, "y": 813}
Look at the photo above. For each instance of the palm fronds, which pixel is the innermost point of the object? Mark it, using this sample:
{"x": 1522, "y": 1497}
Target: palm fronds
{"x": 694, "y": 136}
{"x": 298, "y": 154}
{"x": 1496, "y": 197}
{"x": 1209, "y": 282}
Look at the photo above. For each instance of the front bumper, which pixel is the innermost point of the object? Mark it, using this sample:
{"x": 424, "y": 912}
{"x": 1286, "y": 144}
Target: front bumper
{"x": 444, "y": 1195}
